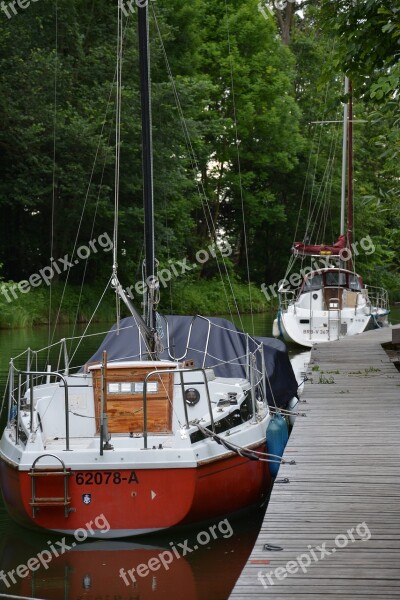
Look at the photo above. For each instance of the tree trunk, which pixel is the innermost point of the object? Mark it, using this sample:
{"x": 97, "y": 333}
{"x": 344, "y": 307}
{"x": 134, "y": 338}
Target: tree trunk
{"x": 285, "y": 20}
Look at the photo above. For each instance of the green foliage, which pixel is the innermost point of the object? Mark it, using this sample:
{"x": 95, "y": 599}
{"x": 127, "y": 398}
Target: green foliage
{"x": 247, "y": 99}
{"x": 368, "y": 33}
{"x": 212, "y": 298}
{"x": 257, "y": 140}
{"x": 190, "y": 297}
{"x": 28, "y": 310}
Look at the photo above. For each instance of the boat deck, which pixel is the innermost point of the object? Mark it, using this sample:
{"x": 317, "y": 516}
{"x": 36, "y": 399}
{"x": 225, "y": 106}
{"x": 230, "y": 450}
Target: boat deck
{"x": 117, "y": 441}
{"x": 343, "y": 493}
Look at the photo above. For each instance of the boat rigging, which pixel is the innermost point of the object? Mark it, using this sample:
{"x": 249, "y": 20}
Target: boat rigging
{"x": 329, "y": 300}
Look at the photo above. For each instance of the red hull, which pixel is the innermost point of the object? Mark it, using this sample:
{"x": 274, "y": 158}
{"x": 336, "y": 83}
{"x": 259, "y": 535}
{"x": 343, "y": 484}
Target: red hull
{"x": 135, "y": 501}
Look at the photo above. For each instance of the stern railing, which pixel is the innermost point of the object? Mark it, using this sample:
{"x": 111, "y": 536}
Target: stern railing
{"x": 17, "y": 398}
{"x": 377, "y": 297}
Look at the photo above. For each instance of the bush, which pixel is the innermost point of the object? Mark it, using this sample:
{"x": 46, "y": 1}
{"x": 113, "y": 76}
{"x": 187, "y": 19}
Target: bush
{"x": 207, "y": 297}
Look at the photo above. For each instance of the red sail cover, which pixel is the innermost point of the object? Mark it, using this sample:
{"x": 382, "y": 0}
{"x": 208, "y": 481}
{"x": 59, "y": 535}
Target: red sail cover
{"x": 299, "y": 247}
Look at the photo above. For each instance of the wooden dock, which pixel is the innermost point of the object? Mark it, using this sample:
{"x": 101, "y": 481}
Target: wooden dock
{"x": 345, "y": 484}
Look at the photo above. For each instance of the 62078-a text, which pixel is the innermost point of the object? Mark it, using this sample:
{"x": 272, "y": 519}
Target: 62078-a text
{"x": 105, "y": 477}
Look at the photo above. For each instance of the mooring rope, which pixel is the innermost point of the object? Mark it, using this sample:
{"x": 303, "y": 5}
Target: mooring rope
{"x": 244, "y": 452}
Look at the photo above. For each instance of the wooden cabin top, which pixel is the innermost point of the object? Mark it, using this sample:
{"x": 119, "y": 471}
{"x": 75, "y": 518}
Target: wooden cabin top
{"x": 123, "y": 395}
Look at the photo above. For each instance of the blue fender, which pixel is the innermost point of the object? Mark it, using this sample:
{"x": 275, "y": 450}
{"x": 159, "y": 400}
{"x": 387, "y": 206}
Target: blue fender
{"x": 277, "y": 436}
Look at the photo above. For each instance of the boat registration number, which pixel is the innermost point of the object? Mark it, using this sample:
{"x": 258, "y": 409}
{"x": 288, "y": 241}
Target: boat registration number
{"x": 316, "y": 331}
{"x": 106, "y": 477}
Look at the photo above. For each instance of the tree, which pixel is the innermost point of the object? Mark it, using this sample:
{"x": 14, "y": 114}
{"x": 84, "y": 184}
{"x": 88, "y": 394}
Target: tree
{"x": 255, "y": 139}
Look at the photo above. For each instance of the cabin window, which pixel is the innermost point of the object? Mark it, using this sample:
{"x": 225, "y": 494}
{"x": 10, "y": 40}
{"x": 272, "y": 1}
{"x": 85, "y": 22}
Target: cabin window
{"x": 354, "y": 283}
{"x": 314, "y": 282}
{"x": 134, "y": 387}
{"x": 335, "y": 279}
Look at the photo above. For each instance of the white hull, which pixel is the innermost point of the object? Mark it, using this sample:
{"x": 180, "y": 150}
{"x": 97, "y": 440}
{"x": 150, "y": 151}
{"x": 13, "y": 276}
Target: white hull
{"x": 289, "y": 326}
{"x": 323, "y": 313}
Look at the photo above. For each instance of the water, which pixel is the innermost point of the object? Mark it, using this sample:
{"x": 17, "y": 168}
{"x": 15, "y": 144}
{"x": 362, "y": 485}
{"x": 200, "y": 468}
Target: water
{"x": 92, "y": 569}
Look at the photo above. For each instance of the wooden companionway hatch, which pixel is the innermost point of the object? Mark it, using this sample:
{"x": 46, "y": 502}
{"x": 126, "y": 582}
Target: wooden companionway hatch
{"x": 124, "y": 401}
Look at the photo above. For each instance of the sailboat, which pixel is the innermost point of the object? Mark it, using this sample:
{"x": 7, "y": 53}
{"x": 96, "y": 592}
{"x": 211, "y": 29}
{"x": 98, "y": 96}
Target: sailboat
{"x": 327, "y": 299}
{"x": 165, "y": 425}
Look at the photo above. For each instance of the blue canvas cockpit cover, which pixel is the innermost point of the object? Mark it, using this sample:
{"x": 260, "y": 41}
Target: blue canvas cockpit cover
{"x": 210, "y": 342}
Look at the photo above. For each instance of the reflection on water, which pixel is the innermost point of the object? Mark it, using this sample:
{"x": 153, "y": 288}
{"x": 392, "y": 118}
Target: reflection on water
{"x": 143, "y": 569}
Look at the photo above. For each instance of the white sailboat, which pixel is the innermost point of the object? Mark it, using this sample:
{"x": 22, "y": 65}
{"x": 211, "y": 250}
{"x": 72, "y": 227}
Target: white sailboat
{"x": 327, "y": 300}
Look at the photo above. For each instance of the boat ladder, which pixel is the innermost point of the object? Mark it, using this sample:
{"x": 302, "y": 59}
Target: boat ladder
{"x": 334, "y": 307}
{"x": 37, "y": 473}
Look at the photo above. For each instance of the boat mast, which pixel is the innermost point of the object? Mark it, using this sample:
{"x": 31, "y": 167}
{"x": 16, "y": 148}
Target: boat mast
{"x": 344, "y": 158}
{"x": 147, "y": 166}
{"x": 350, "y": 177}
